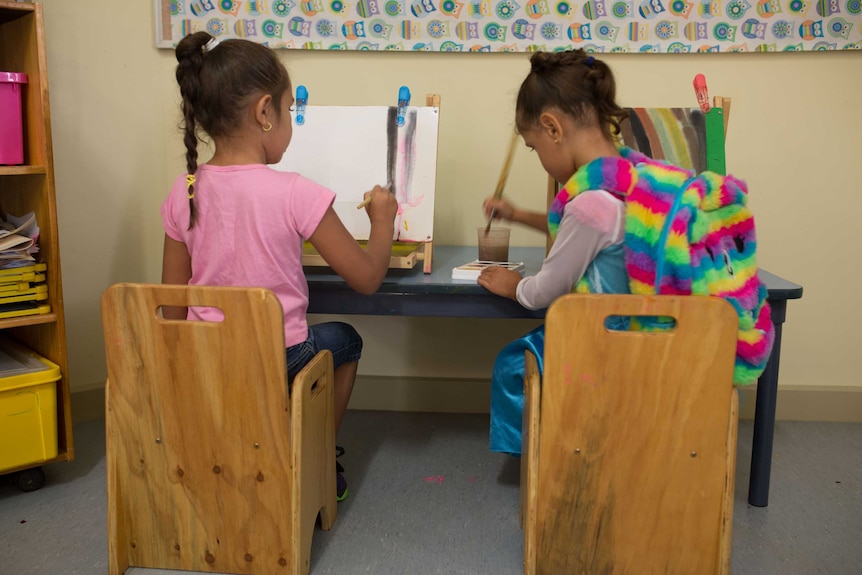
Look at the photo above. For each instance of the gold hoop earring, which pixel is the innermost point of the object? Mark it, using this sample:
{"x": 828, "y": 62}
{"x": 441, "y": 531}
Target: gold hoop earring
{"x": 268, "y": 127}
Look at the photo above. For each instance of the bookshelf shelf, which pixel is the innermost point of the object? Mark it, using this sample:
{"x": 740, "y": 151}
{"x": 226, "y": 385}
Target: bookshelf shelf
{"x": 23, "y": 170}
{"x": 26, "y": 320}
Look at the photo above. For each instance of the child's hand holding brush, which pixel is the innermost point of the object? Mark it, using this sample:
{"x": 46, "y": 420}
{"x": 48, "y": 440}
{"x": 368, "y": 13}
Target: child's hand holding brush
{"x": 498, "y": 209}
{"x": 380, "y": 204}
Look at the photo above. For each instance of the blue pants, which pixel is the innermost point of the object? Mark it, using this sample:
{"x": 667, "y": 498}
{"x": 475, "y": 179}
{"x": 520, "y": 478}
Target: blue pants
{"x": 507, "y": 390}
{"x": 507, "y": 385}
{"x": 339, "y": 338}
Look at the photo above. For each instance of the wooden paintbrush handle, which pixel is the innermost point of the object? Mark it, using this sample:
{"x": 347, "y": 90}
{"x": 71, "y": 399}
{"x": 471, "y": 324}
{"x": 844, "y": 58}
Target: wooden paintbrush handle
{"x": 504, "y": 173}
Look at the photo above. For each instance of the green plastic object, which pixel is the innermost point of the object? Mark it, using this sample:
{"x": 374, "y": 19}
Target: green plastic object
{"x": 715, "y": 159}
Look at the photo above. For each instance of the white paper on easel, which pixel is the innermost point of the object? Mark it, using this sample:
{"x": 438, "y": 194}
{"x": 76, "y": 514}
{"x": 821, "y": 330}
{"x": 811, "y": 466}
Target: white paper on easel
{"x": 351, "y": 149}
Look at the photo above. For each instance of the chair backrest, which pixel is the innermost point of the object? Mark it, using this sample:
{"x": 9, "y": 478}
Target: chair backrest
{"x": 198, "y": 430}
{"x": 633, "y": 468}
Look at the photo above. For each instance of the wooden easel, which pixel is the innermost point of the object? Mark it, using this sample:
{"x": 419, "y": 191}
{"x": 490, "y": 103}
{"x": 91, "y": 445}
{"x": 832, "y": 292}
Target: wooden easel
{"x": 405, "y": 255}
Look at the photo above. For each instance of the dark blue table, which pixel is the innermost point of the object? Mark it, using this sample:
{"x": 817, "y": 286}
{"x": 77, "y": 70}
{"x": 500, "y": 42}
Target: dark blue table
{"x": 413, "y": 293}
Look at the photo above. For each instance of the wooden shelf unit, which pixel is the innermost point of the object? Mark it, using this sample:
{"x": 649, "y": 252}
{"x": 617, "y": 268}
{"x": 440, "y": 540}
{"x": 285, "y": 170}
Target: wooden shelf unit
{"x": 30, "y": 187}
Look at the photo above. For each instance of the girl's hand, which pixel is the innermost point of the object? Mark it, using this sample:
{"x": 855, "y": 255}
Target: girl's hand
{"x": 383, "y": 205}
{"x": 502, "y": 209}
{"x": 500, "y": 281}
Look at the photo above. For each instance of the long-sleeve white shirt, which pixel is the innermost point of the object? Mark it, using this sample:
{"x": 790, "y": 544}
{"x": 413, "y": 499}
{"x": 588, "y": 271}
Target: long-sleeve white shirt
{"x": 591, "y": 222}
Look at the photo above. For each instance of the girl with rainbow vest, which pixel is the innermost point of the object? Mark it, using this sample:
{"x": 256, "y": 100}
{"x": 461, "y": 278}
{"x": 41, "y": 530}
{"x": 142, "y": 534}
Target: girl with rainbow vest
{"x": 566, "y": 113}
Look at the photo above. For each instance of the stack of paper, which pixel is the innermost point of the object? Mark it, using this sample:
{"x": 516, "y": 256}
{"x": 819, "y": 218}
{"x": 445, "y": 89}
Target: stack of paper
{"x": 18, "y": 236}
{"x": 471, "y": 271}
{"x": 15, "y": 360}
{"x": 23, "y": 290}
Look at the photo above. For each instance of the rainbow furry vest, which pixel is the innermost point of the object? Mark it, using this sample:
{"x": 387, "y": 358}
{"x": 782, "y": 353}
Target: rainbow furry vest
{"x": 685, "y": 234}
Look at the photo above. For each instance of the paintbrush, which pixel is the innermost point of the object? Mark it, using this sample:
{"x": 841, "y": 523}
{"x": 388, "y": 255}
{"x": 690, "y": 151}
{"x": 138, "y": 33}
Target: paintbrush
{"x": 504, "y": 173}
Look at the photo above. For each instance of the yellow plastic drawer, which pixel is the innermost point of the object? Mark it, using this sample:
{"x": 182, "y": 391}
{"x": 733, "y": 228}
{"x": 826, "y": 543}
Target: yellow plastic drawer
{"x": 28, "y": 407}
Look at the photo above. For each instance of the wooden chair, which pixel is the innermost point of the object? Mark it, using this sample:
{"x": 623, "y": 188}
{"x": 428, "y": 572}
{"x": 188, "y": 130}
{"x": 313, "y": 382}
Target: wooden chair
{"x": 211, "y": 464}
{"x": 630, "y": 440}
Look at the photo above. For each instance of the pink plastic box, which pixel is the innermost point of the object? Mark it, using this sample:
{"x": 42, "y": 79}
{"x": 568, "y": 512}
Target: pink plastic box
{"x": 11, "y": 119}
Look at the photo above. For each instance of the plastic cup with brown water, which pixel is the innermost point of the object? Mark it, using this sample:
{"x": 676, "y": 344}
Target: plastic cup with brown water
{"x": 493, "y": 244}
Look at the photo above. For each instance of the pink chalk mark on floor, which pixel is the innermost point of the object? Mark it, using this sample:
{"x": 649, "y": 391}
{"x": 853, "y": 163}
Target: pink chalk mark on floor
{"x": 472, "y": 480}
{"x": 438, "y": 479}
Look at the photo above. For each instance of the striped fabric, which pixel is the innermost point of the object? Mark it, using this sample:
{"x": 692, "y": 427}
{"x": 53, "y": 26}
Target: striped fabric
{"x": 676, "y": 135}
{"x": 685, "y": 233}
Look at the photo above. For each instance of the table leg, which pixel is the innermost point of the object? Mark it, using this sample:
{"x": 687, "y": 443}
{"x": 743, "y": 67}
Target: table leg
{"x": 764, "y": 416}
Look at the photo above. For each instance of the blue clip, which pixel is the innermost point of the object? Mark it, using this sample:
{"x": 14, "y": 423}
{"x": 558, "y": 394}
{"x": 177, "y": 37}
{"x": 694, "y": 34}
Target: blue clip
{"x": 403, "y": 102}
{"x": 301, "y": 101}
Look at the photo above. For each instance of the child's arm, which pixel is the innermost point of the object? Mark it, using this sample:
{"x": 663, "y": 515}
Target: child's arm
{"x": 500, "y": 281}
{"x": 590, "y": 223}
{"x": 176, "y": 269}
{"x": 570, "y": 255}
{"x": 363, "y": 270}
{"x": 503, "y": 210}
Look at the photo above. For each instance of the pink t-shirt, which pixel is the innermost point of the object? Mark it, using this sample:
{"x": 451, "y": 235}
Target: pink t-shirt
{"x": 249, "y": 227}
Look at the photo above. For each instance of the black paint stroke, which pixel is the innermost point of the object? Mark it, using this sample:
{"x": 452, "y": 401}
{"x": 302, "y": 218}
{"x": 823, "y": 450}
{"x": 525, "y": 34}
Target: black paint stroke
{"x": 391, "y": 146}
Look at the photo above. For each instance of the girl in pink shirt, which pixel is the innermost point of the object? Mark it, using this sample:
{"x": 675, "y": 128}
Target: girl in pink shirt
{"x": 233, "y": 221}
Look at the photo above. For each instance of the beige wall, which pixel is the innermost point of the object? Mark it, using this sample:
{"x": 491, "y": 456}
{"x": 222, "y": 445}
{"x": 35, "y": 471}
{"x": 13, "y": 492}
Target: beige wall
{"x": 795, "y": 136}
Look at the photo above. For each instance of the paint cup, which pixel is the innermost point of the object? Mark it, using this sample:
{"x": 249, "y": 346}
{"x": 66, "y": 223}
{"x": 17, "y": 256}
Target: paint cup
{"x": 494, "y": 244}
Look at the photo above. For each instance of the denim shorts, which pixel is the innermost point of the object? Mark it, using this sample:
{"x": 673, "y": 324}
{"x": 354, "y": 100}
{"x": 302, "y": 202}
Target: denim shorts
{"x": 339, "y": 338}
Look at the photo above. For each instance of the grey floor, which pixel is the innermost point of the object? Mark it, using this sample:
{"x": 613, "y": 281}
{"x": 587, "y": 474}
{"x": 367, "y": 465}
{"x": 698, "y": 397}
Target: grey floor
{"x": 428, "y": 497}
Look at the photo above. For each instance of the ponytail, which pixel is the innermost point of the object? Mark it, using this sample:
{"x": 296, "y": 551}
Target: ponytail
{"x": 605, "y": 92}
{"x": 190, "y": 55}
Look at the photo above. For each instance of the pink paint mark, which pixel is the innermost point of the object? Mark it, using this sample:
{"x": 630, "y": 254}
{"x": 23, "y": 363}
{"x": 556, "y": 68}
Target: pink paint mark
{"x": 411, "y": 203}
{"x": 588, "y": 379}
{"x": 404, "y": 206}
{"x": 472, "y": 479}
{"x": 438, "y": 479}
